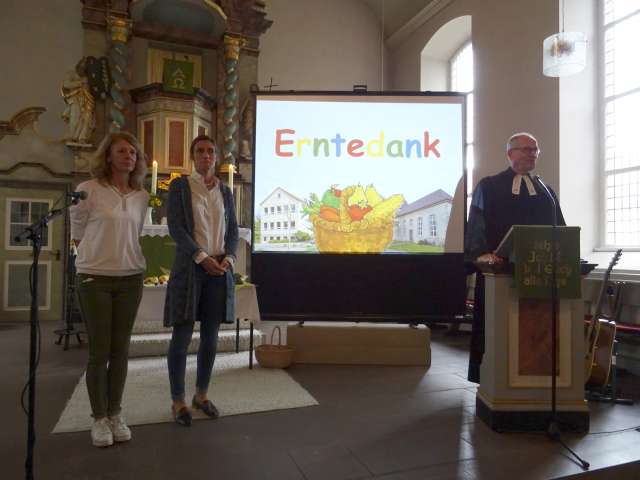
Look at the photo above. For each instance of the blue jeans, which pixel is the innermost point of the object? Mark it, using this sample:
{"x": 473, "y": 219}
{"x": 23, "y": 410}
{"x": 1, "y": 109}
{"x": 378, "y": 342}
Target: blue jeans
{"x": 211, "y": 310}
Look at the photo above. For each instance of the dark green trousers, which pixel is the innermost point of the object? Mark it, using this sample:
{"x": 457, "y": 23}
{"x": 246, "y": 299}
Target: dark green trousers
{"x": 109, "y": 306}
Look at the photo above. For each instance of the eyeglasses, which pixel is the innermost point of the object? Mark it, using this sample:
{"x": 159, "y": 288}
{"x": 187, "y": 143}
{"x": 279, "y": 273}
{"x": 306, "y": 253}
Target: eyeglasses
{"x": 530, "y": 150}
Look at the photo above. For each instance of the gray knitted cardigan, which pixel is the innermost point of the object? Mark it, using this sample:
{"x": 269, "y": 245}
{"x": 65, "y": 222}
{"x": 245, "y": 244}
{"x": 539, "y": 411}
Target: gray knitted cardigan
{"x": 183, "y": 291}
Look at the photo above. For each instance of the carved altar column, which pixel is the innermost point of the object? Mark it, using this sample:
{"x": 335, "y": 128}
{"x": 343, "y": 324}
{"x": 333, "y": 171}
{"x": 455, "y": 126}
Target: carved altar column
{"x": 119, "y": 31}
{"x": 230, "y": 122}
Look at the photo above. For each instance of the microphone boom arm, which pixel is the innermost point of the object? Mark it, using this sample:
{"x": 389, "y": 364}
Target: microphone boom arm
{"x": 554, "y": 204}
{"x": 37, "y": 227}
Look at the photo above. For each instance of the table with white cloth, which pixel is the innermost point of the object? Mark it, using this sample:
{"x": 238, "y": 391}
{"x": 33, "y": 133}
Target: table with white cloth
{"x": 159, "y": 250}
{"x": 246, "y": 308}
{"x": 151, "y": 310}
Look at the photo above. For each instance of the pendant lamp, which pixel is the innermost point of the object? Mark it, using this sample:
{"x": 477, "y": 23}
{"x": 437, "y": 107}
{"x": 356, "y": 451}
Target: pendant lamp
{"x": 564, "y": 53}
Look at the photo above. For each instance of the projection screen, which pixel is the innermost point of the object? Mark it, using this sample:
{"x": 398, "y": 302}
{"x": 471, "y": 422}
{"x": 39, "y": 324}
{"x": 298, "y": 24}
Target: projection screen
{"x": 348, "y": 187}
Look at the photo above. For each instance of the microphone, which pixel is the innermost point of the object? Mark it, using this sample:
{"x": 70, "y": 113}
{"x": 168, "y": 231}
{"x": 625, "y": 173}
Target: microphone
{"x": 36, "y": 228}
{"x": 77, "y": 196}
{"x": 547, "y": 192}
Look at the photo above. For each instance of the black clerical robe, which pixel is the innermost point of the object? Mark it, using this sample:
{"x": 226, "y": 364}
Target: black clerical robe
{"x": 494, "y": 210}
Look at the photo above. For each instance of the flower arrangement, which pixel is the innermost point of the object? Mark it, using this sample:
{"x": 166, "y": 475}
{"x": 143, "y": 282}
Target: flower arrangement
{"x": 156, "y": 198}
{"x": 155, "y": 201}
{"x": 164, "y": 184}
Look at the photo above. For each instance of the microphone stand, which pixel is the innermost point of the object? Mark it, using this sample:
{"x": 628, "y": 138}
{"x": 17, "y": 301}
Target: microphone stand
{"x": 34, "y": 234}
{"x": 553, "y": 430}
{"x": 69, "y": 329}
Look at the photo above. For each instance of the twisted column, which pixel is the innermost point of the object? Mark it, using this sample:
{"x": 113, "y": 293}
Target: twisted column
{"x": 230, "y": 121}
{"x": 119, "y": 31}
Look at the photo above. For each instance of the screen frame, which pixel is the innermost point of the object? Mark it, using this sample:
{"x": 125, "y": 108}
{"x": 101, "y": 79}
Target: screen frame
{"x": 452, "y": 314}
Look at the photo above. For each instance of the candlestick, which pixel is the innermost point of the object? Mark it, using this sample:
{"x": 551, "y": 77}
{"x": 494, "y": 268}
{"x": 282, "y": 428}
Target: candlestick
{"x": 154, "y": 177}
{"x": 231, "y": 168}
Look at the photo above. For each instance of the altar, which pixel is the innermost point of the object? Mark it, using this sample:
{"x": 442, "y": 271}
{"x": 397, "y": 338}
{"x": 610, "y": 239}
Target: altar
{"x": 151, "y": 308}
{"x": 159, "y": 250}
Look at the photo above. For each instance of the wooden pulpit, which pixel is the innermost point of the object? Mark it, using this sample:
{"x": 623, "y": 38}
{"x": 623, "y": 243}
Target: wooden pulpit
{"x": 515, "y": 375}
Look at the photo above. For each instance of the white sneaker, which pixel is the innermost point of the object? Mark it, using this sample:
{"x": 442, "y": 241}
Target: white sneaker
{"x": 119, "y": 429}
{"x": 101, "y": 433}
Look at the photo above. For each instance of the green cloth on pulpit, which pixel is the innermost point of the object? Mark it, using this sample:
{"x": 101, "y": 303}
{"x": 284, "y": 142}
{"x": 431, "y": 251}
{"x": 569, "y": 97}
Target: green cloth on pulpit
{"x": 531, "y": 254}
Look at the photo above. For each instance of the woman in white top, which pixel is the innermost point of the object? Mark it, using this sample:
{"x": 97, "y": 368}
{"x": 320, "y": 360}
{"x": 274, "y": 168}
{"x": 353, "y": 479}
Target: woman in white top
{"x": 106, "y": 227}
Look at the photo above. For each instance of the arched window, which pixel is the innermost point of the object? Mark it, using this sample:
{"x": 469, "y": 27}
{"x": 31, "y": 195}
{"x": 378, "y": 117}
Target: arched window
{"x": 446, "y": 63}
{"x": 461, "y": 80}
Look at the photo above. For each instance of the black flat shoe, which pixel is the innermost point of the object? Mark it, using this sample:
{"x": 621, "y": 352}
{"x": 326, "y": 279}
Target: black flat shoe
{"x": 208, "y": 408}
{"x": 182, "y": 416}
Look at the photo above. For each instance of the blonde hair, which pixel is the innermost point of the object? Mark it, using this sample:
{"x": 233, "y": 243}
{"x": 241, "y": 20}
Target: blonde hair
{"x": 101, "y": 167}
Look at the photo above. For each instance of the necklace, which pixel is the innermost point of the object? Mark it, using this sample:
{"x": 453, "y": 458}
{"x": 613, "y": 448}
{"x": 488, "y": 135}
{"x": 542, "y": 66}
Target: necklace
{"x": 123, "y": 196}
{"x": 127, "y": 189}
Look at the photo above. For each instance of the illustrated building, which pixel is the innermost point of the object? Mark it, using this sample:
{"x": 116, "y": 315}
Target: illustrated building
{"x": 424, "y": 220}
{"x": 280, "y": 216}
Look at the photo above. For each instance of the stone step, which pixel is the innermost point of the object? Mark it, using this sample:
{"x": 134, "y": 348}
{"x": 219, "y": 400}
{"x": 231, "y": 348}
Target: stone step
{"x": 360, "y": 343}
{"x": 157, "y": 344}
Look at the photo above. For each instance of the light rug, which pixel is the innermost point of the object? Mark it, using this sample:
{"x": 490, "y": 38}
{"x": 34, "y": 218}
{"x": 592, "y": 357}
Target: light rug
{"x": 234, "y": 389}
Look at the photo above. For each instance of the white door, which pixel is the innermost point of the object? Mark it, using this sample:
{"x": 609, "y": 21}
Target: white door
{"x": 20, "y": 206}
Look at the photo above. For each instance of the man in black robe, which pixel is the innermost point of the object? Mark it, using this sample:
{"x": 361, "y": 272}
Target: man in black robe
{"x": 509, "y": 198}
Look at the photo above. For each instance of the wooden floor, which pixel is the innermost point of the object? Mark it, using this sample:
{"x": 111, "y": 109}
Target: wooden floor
{"x": 394, "y": 423}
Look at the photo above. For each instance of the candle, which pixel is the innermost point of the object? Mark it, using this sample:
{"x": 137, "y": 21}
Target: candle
{"x": 231, "y": 168}
{"x": 154, "y": 177}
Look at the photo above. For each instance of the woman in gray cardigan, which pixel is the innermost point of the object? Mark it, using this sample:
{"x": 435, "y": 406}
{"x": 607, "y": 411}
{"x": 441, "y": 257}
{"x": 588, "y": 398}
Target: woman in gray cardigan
{"x": 202, "y": 221}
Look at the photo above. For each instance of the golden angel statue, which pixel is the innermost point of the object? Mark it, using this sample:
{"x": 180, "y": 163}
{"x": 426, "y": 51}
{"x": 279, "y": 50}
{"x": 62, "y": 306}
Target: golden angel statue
{"x": 81, "y": 106}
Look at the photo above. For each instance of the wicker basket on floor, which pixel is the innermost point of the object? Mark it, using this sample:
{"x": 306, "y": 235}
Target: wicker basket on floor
{"x": 274, "y": 356}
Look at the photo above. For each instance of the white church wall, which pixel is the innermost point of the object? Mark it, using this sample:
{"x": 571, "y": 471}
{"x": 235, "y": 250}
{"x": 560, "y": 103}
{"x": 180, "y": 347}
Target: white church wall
{"x": 41, "y": 41}
{"x": 511, "y": 94}
{"x": 328, "y": 45}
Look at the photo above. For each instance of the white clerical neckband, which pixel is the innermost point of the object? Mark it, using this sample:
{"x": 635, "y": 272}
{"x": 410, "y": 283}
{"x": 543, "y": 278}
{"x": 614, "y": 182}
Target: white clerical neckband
{"x": 517, "y": 181}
